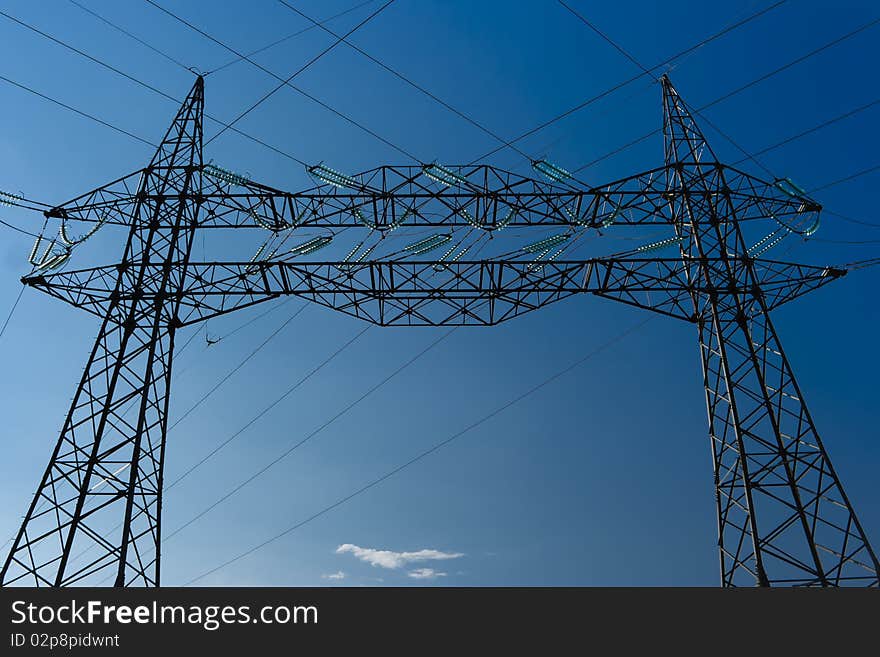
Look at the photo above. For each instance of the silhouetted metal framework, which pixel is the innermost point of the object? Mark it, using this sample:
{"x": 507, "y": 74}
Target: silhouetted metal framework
{"x": 783, "y": 516}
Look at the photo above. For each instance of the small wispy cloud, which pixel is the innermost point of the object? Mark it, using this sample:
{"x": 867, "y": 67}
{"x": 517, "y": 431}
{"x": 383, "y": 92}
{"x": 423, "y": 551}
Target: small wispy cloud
{"x": 425, "y": 573}
{"x": 393, "y": 560}
{"x": 337, "y": 575}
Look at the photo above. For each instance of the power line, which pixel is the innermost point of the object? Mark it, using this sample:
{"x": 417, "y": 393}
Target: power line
{"x": 407, "y": 80}
{"x": 271, "y": 309}
{"x": 235, "y": 369}
{"x": 862, "y": 264}
{"x": 131, "y": 36}
{"x": 309, "y": 436}
{"x": 665, "y": 62}
{"x": 143, "y": 84}
{"x": 434, "y": 448}
{"x": 20, "y": 230}
{"x": 289, "y": 84}
{"x": 853, "y": 176}
{"x": 847, "y": 242}
{"x": 851, "y": 220}
{"x": 18, "y": 201}
{"x": 12, "y": 311}
{"x": 815, "y": 128}
{"x": 860, "y": 222}
{"x": 78, "y": 111}
{"x": 738, "y": 90}
{"x": 635, "y": 61}
{"x": 808, "y": 55}
{"x": 606, "y": 38}
{"x": 844, "y": 217}
{"x": 290, "y": 36}
{"x": 730, "y": 139}
{"x": 188, "y": 340}
{"x": 95, "y": 60}
{"x": 286, "y": 81}
{"x": 241, "y": 430}
{"x": 289, "y": 391}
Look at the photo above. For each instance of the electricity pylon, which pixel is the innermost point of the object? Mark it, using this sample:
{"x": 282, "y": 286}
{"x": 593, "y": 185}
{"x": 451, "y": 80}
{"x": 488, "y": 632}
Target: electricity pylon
{"x": 782, "y": 514}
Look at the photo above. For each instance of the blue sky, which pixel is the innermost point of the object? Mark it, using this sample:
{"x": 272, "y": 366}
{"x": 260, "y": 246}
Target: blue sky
{"x": 602, "y": 477}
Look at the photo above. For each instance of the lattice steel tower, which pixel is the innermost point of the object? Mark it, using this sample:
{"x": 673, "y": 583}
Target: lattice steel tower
{"x": 783, "y": 516}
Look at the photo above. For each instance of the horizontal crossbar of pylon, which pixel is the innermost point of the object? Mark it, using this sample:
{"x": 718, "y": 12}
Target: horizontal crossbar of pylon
{"x": 661, "y": 284}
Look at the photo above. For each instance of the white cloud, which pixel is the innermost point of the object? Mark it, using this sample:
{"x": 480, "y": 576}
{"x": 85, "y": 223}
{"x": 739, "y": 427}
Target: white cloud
{"x": 391, "y": 559}
{"x": 425, "y": 573}
{"x": 337, "y": 575}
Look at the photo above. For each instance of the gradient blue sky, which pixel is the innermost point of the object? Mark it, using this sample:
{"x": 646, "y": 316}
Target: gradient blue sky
{"x": 601, "y": 478}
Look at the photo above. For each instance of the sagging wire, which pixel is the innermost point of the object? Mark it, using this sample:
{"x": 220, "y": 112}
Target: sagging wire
{"x": 11, "y": 311}
{"x": 862, "y": 264}
{"x": 412, "y": 461}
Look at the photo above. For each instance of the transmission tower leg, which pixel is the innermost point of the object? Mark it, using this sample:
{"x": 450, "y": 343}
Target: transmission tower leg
{"x": 106, "y": 468}
{"x": 96, "y": 515}
{"x": 770, "y": 465}
{"x": 783, "y": 517}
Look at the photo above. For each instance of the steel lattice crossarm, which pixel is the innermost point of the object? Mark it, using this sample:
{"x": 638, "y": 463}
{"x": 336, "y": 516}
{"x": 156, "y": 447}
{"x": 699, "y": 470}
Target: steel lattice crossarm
{"x": 437, "y": 245}
{"x": 432, "y": 294}
{"x": 478, "y": 196}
